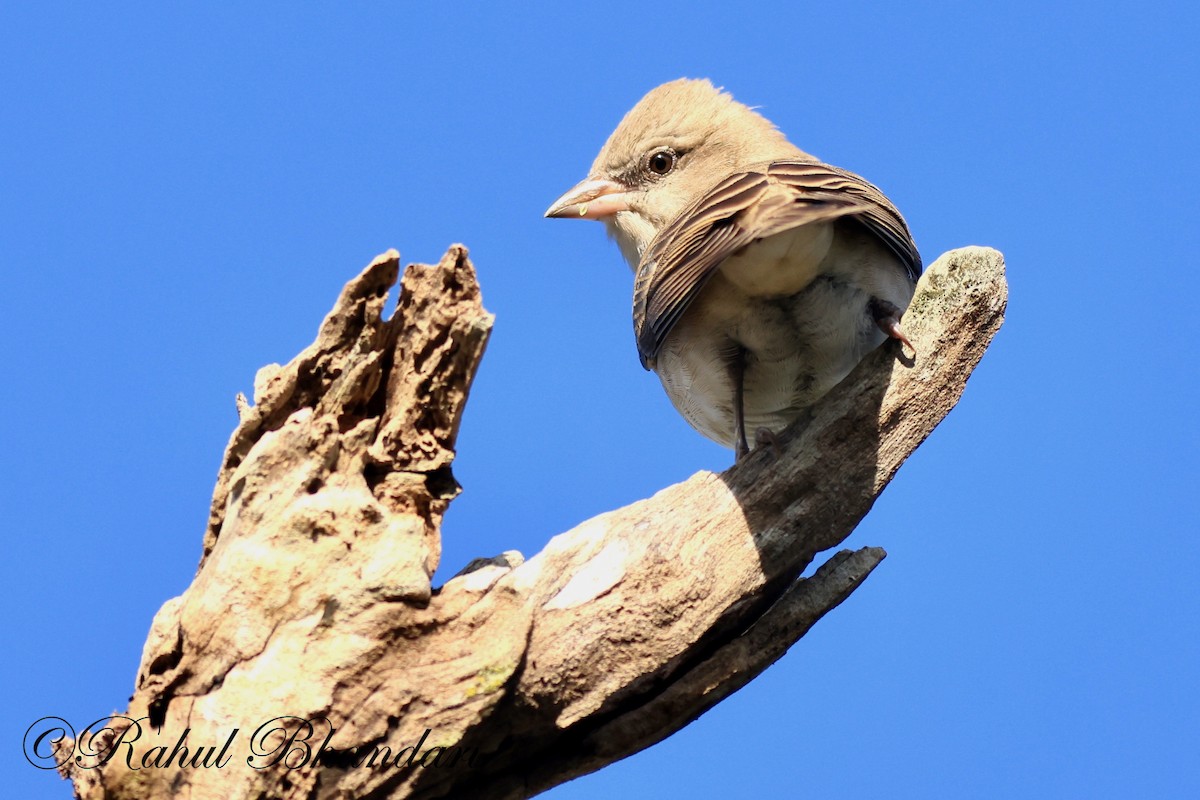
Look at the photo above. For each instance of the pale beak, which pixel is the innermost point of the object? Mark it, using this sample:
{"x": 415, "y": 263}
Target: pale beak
{"x": 590, "y": 199}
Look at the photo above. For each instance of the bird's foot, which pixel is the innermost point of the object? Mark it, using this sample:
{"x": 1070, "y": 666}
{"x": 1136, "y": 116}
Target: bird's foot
{"x": 887, "y": 317}
{"x": 765, "y": 437}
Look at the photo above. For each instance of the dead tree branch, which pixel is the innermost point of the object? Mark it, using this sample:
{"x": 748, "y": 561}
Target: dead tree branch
{"x": 312, "y": 605}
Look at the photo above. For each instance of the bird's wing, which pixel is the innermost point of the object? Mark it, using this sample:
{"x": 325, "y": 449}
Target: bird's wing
{"x": 739, "y": 210}
{"x": 880, "y": 217}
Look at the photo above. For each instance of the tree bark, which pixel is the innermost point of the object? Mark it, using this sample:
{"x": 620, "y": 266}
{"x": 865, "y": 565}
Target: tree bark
{"x": 312, "y": 658}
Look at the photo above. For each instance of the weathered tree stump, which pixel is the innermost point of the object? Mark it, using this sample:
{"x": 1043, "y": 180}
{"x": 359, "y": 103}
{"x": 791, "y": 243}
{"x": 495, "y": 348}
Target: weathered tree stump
{"x": 312, "y": 658}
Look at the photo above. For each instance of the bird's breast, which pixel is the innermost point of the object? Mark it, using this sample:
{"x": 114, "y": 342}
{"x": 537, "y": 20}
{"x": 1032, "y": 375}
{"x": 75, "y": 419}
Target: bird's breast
{"x": 781, "y": 264}
{"x": 795, "y": 346}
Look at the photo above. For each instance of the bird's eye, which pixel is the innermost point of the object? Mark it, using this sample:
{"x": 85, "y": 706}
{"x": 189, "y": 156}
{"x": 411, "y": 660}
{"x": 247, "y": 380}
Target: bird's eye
{"x": 660, "y": 162}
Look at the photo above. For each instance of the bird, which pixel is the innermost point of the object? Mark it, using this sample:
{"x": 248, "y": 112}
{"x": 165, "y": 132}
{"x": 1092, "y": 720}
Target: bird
{"x": 762, "y": 275}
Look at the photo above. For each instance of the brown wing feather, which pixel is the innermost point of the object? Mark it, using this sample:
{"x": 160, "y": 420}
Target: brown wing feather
{"x": 880, "y": 217}
{"x": 736, "y": 212}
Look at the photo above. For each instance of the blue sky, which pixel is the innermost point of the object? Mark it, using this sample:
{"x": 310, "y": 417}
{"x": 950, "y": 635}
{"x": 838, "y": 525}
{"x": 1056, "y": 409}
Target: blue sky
{"x": 184, "y": 190}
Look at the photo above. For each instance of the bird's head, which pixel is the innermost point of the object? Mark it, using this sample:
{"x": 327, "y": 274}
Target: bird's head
{"x": 678, "y": 141}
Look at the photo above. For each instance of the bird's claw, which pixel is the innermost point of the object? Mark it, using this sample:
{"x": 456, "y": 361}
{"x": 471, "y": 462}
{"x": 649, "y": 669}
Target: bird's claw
{"x": 765, "y": 437}
{"x": 887, "y": 317}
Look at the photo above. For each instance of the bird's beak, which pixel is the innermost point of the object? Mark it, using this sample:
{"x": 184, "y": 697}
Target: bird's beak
{"x": 590, "y": 199}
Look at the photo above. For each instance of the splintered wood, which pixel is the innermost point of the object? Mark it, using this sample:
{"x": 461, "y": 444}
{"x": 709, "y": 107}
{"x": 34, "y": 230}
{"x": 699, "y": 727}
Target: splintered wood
{"x": 311, "y": 658}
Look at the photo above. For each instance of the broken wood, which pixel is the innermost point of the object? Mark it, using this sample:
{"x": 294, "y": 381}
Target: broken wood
{"x": 312, "y": 645}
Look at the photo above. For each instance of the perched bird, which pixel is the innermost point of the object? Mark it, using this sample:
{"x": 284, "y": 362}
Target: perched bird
{"x": 763, "y": 275}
